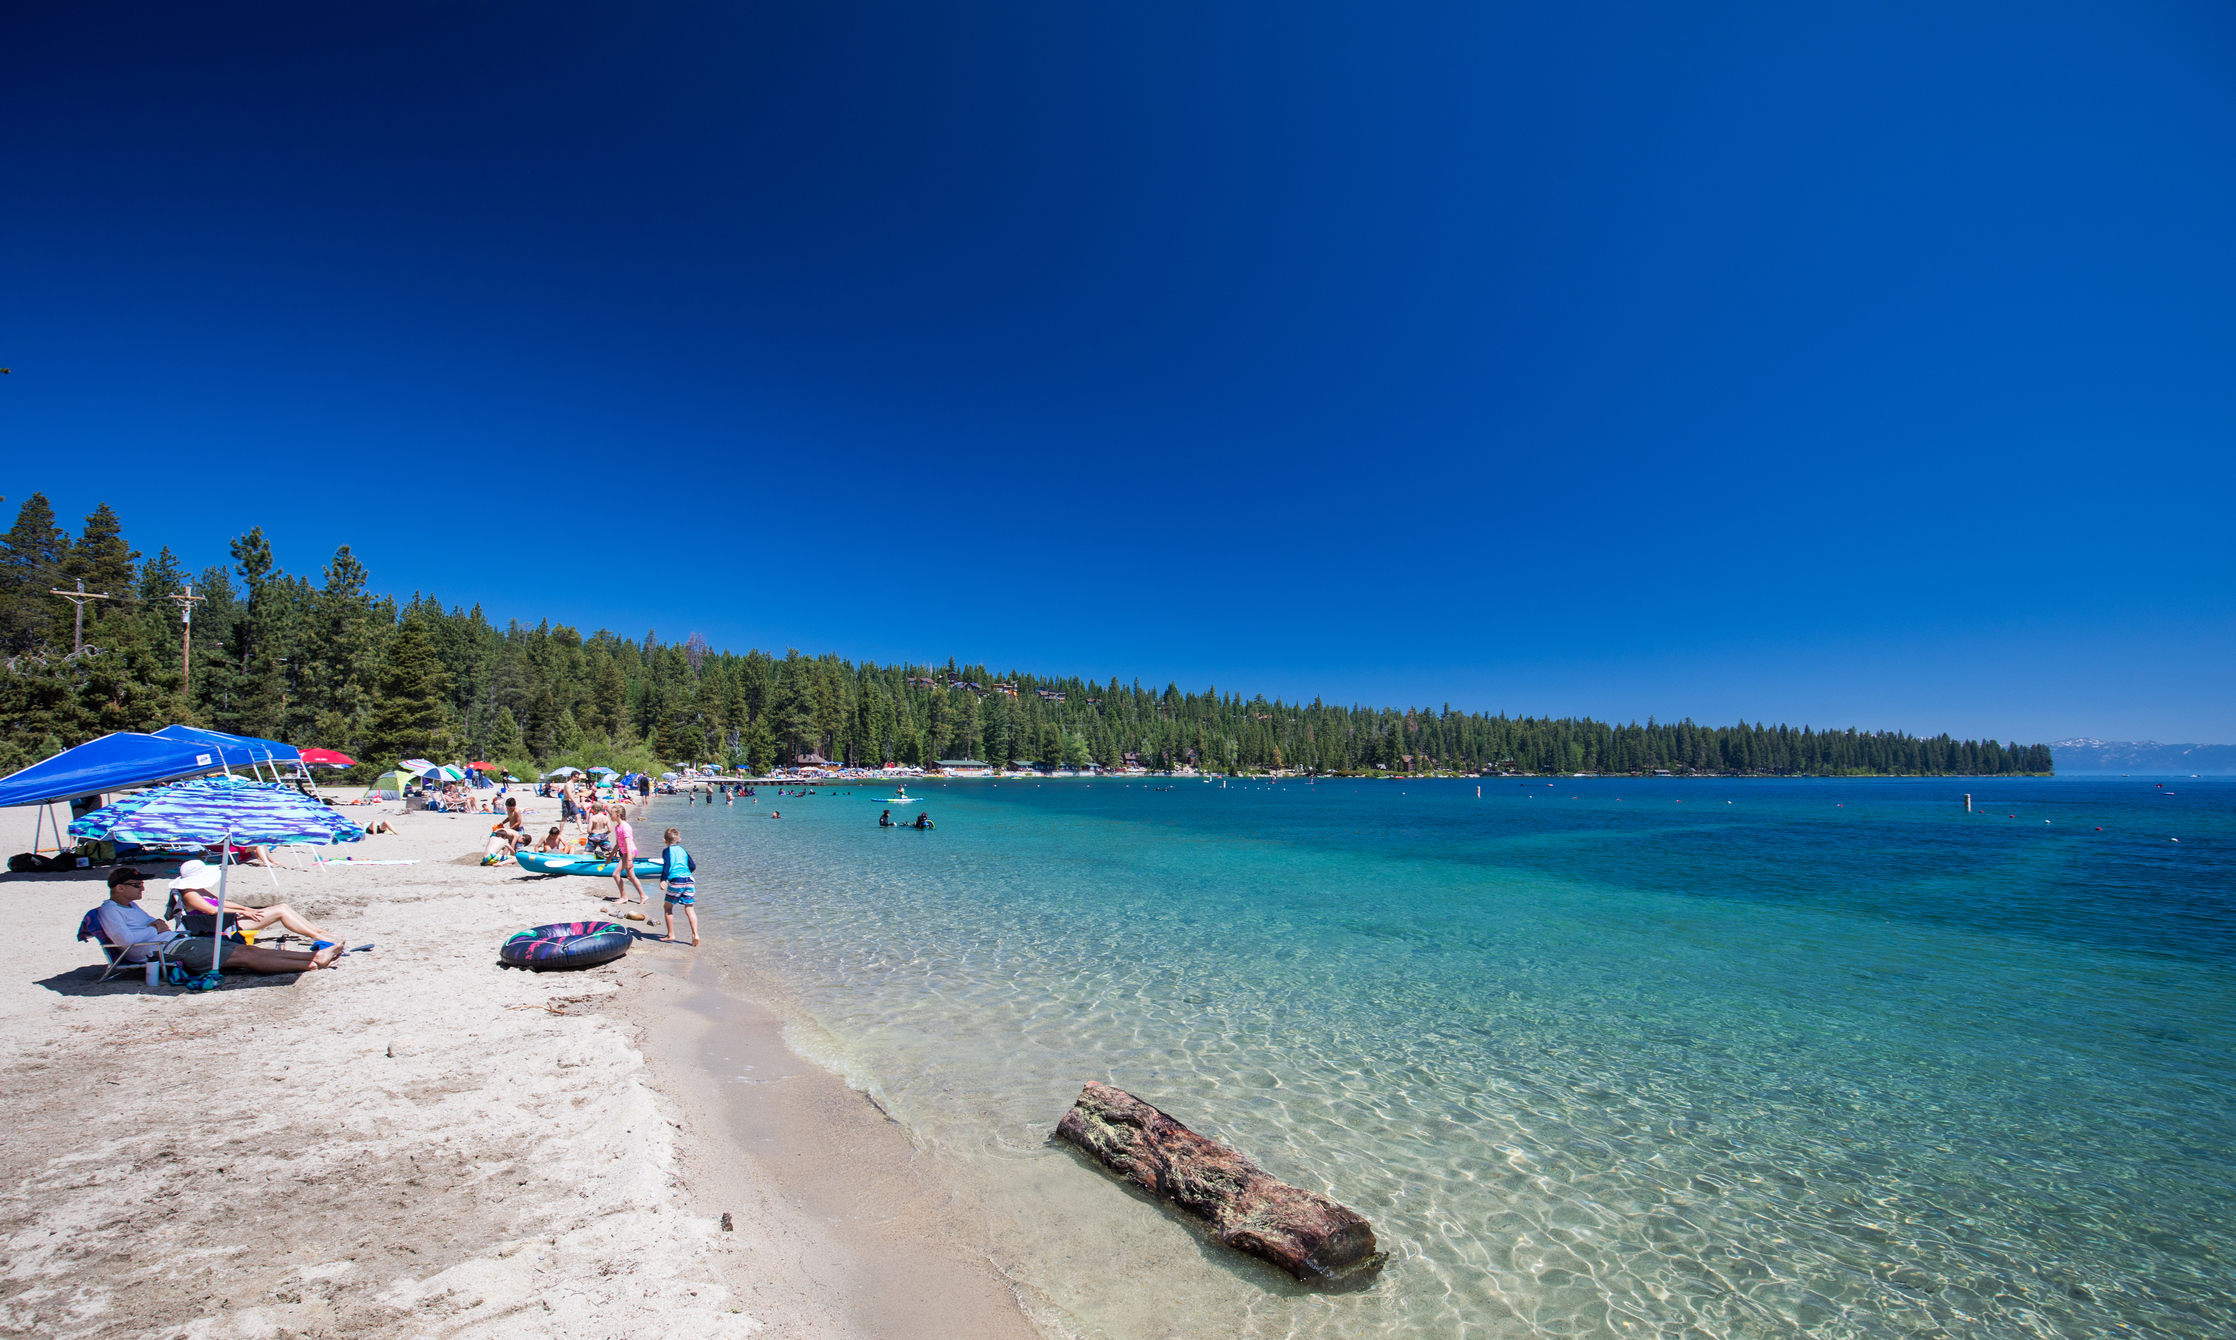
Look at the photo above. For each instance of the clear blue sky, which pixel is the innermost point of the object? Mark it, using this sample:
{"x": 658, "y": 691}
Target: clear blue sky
{"x": 1865, "y": 364}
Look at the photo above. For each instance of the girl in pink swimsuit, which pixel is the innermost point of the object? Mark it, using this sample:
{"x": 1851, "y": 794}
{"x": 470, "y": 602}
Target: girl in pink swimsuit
{"x": 625, "y": 856}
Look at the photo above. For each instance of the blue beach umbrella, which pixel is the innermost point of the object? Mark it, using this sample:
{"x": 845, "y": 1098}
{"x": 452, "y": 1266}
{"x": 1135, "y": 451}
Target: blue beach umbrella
{"x": 217, "y": 809}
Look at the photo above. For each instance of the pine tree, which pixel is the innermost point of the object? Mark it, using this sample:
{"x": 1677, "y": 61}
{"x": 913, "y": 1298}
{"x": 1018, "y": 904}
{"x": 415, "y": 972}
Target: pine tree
{"x": 411, "y": 718}
{"x": 340, "y": 657}
{"x": 104, "y": 562}
{"x": 31, "y": 557}
{"x": 215, "y": 675}
{"x": 543, "y": 723}
{"x": 760, "y": 745}
{"x": 257, "y": 648}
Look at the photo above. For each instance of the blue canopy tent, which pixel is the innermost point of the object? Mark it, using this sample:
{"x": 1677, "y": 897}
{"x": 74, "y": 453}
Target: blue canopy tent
{"x": 242, "y": 750}
{"x": 110, "y": 763}
{"x": 217, "y": 809}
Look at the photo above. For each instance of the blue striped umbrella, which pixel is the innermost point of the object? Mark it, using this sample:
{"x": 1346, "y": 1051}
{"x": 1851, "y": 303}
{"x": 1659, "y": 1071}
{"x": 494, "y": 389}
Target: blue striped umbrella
{"x": 216, "y": 809}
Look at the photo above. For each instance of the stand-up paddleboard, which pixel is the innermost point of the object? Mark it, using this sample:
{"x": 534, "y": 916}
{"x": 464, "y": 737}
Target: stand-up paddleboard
{"x": 567, "y": 863}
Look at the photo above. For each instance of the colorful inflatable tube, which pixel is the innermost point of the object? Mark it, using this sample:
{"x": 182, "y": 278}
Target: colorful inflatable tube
{"x": 567, "y": 944}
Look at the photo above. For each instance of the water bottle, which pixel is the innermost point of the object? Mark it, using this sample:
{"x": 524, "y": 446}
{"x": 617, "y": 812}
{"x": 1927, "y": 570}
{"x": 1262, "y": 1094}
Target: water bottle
{"x": 153, "y": 966}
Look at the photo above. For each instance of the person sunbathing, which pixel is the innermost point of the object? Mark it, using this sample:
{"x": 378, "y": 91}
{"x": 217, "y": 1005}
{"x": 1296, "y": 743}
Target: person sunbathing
{"x": 242, "y": 854}
{"x": 131, "y": 929}
{"x": 379, "y": 826}
{"x": 196, "y": 885}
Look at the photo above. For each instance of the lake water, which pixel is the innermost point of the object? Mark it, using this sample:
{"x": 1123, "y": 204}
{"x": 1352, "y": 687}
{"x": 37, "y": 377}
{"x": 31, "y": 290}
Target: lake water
{"x": 1605, "y": 1057}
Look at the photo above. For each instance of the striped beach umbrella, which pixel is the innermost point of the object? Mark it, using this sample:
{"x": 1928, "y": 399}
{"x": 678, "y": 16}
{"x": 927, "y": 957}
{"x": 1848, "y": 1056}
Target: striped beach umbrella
{"x": 216, "y": 809}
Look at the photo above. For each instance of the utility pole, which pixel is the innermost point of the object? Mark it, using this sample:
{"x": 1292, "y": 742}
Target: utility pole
{"x": 186, "y": 605}
{"x": 78, "y": 598}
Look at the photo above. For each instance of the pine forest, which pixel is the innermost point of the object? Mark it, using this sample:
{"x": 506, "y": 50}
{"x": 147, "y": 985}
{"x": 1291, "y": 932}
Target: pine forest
{"x": 328, "y": 662}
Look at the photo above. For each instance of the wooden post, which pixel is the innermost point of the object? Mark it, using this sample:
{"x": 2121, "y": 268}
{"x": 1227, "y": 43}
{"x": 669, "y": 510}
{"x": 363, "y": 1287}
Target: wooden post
{"x": 186, "y": 605}
{"x": 78, "y": 598}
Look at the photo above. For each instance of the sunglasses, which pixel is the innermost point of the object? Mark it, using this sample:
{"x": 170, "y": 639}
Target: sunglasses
{"x": 131, "y": 884}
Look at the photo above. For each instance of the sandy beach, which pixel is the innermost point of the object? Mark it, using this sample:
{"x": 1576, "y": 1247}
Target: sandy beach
{"x": 419, "y": 1143}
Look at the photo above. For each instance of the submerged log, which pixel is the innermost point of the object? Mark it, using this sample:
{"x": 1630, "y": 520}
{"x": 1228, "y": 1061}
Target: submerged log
{"x": 1248, "y": 1209}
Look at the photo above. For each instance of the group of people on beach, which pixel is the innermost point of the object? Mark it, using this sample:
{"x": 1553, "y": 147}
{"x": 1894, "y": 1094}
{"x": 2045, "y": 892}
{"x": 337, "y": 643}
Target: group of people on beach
{"x": 605, "y": 834}
{"x": 137, "y": 936}
{"x": 455, "y": 799}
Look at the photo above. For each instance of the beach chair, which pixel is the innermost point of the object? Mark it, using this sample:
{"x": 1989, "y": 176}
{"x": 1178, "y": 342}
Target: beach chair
{"x": 196, "y": 923}
{"x": 89, "y": 928}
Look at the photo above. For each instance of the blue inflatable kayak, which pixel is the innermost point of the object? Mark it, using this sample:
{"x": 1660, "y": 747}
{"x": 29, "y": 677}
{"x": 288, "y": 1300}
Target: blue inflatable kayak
{"x": 564, "y": 863}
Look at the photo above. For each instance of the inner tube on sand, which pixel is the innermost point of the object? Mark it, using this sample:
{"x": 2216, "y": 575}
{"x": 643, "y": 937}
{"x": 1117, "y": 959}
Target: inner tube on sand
{"x": 566, "y": 944}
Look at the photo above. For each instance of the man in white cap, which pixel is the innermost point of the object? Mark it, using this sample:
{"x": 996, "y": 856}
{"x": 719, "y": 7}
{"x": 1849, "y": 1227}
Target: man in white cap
{"x": 196, "y": 886}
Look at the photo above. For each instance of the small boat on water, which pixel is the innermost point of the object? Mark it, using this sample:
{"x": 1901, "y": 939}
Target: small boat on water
{"x": 567, "y": 863}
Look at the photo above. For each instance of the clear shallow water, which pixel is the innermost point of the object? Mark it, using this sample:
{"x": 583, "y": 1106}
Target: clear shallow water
{"x": 1610, "y": 1057}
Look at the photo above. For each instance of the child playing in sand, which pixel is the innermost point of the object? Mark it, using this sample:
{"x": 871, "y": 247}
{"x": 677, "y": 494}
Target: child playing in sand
{"x": 676, "y": 888}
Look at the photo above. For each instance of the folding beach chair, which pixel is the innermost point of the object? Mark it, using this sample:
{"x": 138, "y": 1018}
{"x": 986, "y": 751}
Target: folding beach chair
{"x": 196, "y": 923}
{"x": 89, "y": 928}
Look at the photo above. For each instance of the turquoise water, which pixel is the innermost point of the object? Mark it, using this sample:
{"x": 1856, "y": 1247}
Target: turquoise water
{"x": 1605, "y": 1057}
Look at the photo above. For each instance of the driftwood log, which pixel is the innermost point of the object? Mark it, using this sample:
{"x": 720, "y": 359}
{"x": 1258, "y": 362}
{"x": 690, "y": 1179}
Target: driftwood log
{"x": 1248, "y": 1209}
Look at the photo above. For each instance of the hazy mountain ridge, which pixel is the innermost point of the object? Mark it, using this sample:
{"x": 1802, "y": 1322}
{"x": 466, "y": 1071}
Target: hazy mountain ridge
{"x": 2086, "y": 755}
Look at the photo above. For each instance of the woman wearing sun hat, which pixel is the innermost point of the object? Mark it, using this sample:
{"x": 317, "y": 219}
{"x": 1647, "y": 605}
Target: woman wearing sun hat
{"x": 196, "y": 885}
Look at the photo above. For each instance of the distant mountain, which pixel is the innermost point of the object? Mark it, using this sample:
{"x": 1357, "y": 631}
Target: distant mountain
{"x": 2142, "y": 756}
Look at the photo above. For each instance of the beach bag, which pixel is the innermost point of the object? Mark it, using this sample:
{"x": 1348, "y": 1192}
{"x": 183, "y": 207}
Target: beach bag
{"x": 177, "y": 975}
{"x": 23, "y": 863}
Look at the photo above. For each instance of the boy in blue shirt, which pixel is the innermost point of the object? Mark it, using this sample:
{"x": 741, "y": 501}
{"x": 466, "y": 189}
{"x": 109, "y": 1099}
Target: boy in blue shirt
{"x": 676, "y": 888}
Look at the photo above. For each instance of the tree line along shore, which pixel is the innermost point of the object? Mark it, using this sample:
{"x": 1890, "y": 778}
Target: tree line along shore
{"x": 332, "y": 664}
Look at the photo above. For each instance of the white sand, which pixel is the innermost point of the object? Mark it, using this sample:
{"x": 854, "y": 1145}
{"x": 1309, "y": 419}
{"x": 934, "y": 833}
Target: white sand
{"x": 416, "y": 1143}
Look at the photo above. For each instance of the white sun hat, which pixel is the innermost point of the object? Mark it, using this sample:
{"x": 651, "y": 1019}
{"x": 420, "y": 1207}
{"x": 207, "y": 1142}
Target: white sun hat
{"x": 199, "y": 875}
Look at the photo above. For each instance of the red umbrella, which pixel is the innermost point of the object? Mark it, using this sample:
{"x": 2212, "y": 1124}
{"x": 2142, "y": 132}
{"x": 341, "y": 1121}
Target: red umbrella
{"x": 484, "y": 767}
{"x": 327, "y": 758}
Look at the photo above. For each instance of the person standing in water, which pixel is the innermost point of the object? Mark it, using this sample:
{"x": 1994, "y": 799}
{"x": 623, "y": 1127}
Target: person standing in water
{"x": 676, "y": 887}
{"x": 625, "y": 856}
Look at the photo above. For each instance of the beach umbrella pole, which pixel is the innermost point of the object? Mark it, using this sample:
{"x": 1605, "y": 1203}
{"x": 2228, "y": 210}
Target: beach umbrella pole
{"x": 217, "y": 924}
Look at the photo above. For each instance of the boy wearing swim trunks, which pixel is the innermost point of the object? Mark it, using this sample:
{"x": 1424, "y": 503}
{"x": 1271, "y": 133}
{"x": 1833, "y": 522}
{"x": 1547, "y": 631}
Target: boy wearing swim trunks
{"x": 676, "y": 887}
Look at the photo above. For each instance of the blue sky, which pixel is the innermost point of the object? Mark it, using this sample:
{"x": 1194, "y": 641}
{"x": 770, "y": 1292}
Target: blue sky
{"x": 1849, "y": 364}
